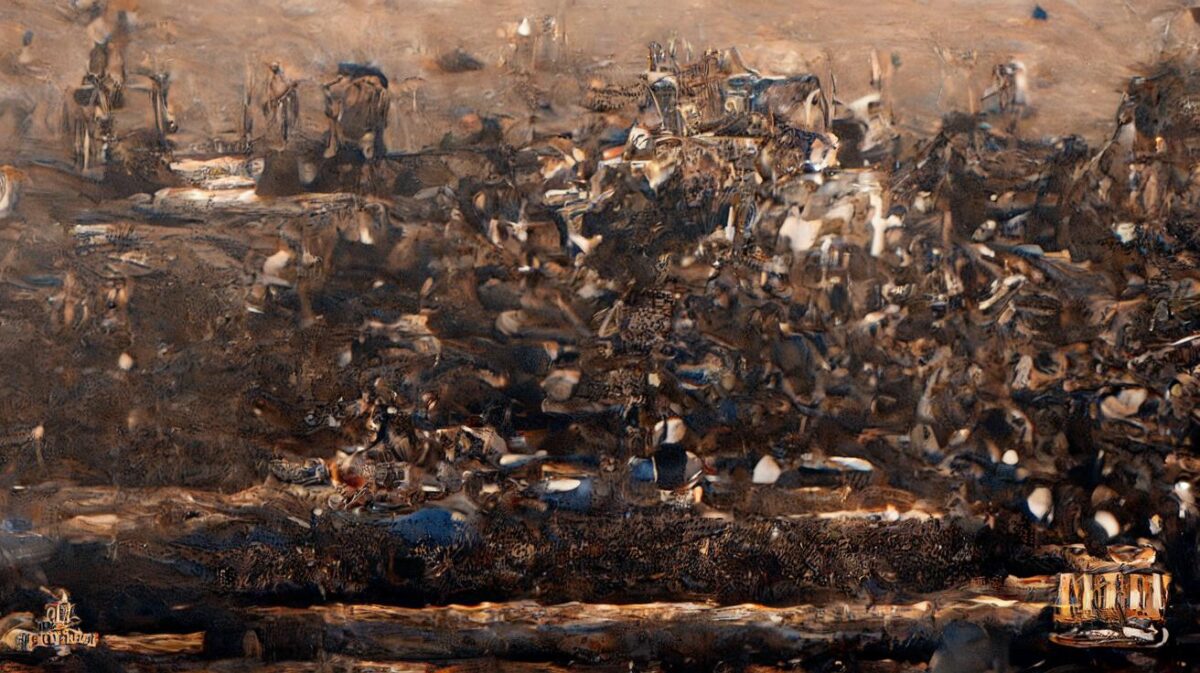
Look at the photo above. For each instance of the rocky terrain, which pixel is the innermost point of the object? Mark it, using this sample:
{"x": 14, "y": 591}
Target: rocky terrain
{"x": 673, "y": 360}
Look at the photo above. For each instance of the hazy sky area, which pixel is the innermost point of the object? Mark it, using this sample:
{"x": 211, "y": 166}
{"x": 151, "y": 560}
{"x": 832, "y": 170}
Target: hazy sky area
{"x": 1078, "y": 58}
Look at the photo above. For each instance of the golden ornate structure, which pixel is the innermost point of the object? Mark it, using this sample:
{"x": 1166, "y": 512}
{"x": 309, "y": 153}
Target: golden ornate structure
{"x": 57, "y": 629}
{"x": 1118, "y": 603}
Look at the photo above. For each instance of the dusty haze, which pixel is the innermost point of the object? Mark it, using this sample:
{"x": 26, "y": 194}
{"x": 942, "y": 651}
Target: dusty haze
{"x": 1079, "y": 58}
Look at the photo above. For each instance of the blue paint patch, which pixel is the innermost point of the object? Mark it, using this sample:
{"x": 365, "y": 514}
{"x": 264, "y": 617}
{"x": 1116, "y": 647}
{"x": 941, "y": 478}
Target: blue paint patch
{"x": 642, "y": 469}
{"x": 432, "y": 525}
{"x": 728, "y": 411}
{"x": 696, "y": 375}
{"x": 16, "y": 525}
{"x": 578, "y": 499}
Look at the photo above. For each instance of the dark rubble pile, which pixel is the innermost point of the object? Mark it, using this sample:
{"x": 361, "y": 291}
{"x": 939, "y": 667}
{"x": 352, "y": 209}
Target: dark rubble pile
{"x": 689, "y": 312}
{"x": 733, "y": 324}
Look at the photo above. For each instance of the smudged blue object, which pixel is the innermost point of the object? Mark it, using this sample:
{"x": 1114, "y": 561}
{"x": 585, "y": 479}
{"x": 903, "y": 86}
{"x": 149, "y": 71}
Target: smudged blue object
{"x": 578, "y": 499}
{"x": 642, "y": 469}
{"x": 16, "y": 525}
{"x": 432, "y": 525}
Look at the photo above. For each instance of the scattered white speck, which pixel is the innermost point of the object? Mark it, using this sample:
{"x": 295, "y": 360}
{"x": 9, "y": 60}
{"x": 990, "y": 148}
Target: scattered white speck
{"x": 890, "y": 513}
{"x": 1125, "y": 403}
{"x": 1125, "y": 231}
{"x": 1040, "y": 502}
{"x": 274, "y": 265}
{"x": 801, "y": 233}
{"x": 671, "y": 430}
{"x": 125, "y": 362}
{"x": 1108, "y": 522}
{"x": 1156, "y": 524}
{"x": 510, "y": 459}
{"x": 766, "y": 471}
{"x": 562, "y": 485}
{"x": 857, "y": 464}
{"x": 1010, "y": 457}
{"x": 1187, "y": 499}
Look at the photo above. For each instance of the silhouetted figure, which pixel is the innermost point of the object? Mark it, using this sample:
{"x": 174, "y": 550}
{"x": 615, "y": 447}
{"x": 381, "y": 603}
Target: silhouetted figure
{"x": 356, "y": 105}
{"x": 282, "y": 106}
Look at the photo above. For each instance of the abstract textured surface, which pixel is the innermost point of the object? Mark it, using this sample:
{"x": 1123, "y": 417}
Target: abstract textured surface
{"x": 358, "y": 336}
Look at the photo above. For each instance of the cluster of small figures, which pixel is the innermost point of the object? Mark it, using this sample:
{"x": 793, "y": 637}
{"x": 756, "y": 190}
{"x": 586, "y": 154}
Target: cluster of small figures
{"x": 91, "y": 113}
{"x": 356, "y": 109}
{"x": 101, "y": 115}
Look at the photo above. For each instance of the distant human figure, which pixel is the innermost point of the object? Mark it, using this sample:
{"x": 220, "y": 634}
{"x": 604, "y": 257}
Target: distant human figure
{"x": 24, "y": 61}
{"x": 25, "y": 57}
{"x": 282, "y": 105}
{"x": 97, "y": 67}
{"x": 356, "y": 106}
{"x": 118, "y": 43}
{"x": 333, "y": 115}
{"x": 91, "y": 121}
{"x": 1009, "y": 87}
{"x": 164, "y": 120}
